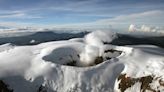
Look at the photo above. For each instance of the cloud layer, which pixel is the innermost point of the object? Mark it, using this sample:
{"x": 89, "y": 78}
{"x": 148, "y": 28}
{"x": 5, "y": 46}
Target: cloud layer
{"x": 82, "y": 13}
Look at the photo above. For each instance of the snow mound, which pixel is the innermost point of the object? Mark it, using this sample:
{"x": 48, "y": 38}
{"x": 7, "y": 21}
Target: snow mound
{"x": 62, "y": 55}
{"x": 6, "y": 47}
{"x": 142, "y": 64}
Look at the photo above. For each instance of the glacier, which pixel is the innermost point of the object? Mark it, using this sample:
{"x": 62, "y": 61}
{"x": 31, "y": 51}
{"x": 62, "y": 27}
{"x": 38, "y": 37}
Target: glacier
{"x": 88, "y": 64}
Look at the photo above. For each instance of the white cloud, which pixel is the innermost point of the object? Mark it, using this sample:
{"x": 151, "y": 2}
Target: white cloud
{"x": 17, "y": 14}
{"x": 148, "y": 17}
{"x": 152, "y": 18}
{"x": 19, "y": 25}
{"x": 148, "y": 29}
{"x": 132, "y": 27}
{"x": 145, "y": 28}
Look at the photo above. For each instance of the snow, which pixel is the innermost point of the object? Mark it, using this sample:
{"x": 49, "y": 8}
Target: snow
{"x": 27, "y": 68}
{"x": 32, "y": 41}
{"x": 143, "y": 60}
{"x": 6, "y": 47}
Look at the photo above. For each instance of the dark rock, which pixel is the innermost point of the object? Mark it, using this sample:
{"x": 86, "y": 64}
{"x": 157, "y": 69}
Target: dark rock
{"x": 4, "y": 87}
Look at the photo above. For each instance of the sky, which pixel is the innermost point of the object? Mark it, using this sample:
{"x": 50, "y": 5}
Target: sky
{"x": 93, "y": 14}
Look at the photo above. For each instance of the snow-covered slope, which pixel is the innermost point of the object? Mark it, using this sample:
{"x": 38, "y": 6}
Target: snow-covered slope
{"x": 82, "y": 65}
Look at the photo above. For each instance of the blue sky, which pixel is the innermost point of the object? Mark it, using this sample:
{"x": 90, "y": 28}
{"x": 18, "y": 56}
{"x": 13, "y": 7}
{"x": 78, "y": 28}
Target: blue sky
{"x": 82, "y": 13}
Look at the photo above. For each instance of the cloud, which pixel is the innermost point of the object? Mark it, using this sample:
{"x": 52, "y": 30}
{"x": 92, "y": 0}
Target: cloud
{"x": 132, "y": 28}
{"x": 84, "y": 13}
{"x": 17, "y": 15}
{"x": 143, "y": 17}
{"x": 106, "y": 12}
{"x": 106, "y": 8}
{"x": 19, "y": 25}
{"x": 121, "y": 22}
{"x": 145, "y": 28}
{"x": 102, "y": 8}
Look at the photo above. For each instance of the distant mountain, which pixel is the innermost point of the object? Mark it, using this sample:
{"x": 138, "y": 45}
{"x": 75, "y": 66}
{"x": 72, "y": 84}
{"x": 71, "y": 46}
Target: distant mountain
{"x": 46, "y": 36}
{"x": 123, "y": 39}
{"x": 40, "y": 37}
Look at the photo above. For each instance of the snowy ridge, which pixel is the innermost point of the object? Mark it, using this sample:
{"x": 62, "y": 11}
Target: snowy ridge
{"x": 82, "y": 65}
